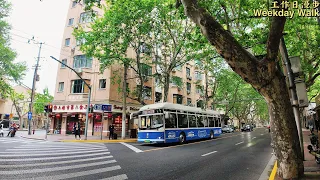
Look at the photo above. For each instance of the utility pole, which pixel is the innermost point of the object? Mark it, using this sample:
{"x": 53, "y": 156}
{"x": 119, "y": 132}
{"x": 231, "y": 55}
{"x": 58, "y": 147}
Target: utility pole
{"x": 35, "y": 75}
{"x": 292, "y": 88}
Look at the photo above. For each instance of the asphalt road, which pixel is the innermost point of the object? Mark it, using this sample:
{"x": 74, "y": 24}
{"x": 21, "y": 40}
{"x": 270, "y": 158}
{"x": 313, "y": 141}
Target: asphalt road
{"x": 236, "y": 156}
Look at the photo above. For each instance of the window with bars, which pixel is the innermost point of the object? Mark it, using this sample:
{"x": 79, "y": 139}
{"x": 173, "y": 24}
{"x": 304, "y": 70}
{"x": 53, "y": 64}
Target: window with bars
{"x": 82, "y": 61}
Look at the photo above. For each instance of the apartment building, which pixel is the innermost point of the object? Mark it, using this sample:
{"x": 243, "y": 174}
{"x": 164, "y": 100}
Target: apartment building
{"x": 71, "y": 94}
{"x": 7, "y": 107}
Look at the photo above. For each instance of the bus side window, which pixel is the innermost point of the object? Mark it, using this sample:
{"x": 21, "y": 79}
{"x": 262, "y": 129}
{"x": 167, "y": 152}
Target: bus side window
{"x": 205, "y": 121}
{"x": 192, "y": 120}
{"x": 199, "y": 121}
{"x": 182, "y": 121}
{"x": 211, "y": 122}
{"x": 216, "y": 122}
{"x": 172, "y": 121}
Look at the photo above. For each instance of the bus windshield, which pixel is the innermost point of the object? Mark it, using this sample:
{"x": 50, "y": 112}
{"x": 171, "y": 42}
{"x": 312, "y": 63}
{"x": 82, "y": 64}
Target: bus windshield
{"x": 151, "y": 121}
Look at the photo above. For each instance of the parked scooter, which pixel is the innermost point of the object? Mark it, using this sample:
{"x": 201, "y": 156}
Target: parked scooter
{"x": 314, "y": 148}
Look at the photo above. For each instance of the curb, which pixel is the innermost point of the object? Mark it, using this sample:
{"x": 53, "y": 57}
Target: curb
{"x": 101, "y": 141}
{"x": 274, "y": 171}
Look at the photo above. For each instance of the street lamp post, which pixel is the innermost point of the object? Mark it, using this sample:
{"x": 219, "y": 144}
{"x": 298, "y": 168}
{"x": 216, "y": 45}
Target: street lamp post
{"x": 89, "y": 97}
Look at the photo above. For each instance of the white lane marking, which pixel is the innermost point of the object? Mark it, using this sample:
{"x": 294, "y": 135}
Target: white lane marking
{"x": 132, "y": 147}
{"x": 51, "y": 158}
{"x": 261, "y": 134}
{"x": 119, "y": 177}
{"x": 52, "y": 169}
{"x": 209, "y": 153}
{"x": 239, "y": 143}
{"x": 77, "y": 174}
{"x": 55, "y": 163}
{"x": 47, "y": 154}
{"x": 54, "y": 145}
{"x": 254, "y": 137}
{"x": 26, "y": 151}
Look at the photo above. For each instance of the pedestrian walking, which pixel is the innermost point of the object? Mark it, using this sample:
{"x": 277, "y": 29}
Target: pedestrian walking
{"x": 10, "y": 130}
{"x": 76, "y": 130}
{"x": 311, "y": 124}
{"x": 111, "y": 131}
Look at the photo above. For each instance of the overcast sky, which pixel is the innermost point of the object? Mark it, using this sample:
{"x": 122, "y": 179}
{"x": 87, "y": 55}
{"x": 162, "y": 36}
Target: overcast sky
{"x": 45, "y": 20}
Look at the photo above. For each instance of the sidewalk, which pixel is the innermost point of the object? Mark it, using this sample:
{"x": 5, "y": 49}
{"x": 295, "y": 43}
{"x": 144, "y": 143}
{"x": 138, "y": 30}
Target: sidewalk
{"x": 40, "y": 135}
{"x": 311, "y": 168}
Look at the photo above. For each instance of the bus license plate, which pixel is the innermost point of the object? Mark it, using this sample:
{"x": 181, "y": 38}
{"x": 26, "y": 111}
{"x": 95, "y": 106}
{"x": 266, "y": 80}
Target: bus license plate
{"x": 147, "y": 141}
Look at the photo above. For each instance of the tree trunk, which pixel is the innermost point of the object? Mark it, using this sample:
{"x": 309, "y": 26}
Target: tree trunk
{"x": 264, "y": 77}
{"x": 284, "y": 133}
{"x": 166, "y": 87}
{"x": 124, "y": 102}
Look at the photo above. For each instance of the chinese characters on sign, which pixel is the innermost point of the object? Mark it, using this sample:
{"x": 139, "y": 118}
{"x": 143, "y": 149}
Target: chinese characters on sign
{"x": 290, "y": 9}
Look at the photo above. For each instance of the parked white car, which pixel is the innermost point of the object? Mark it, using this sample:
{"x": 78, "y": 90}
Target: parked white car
{"x": 227, "y": 129}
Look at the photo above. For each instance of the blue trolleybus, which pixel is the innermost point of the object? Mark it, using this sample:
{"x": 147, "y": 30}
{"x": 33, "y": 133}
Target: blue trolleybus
{"x": 168, "y": 123}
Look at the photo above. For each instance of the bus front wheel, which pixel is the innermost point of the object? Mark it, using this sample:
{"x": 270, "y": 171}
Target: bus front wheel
{"x": 182, "y": 138}
{"x": 211, "y": 135}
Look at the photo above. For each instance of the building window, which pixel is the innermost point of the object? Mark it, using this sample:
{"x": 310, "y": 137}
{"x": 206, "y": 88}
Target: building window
{"x": 67, "y": 42}
{"x": 74, "y": 3}
{"x": 188, "y": 88}
{"x": 158, "y": 97}
{"x": 78, "y": 86}
{"x": 147, "y": 92}
{"x": 198, "y": 89}
{"x": 102, "y": 83}
{"x": 177, "y": 99}
{"x": 178, "y": 68}
{"x": 64, "y": 61}
{"x": 87, "y": 17}
{"x": 189, "y": 102}
{"x": 200, "y": 104}
{"x": 176, "y": 81}
{"x": 198, "y": 75}
{"x": 188, "y": 72}
{"x": 82, "y": 61}
{"x": 70, "y": 22}
{"x": 146, "y": 70}
{"x": 143, "y": 48}
{"x": 61, "y": 87}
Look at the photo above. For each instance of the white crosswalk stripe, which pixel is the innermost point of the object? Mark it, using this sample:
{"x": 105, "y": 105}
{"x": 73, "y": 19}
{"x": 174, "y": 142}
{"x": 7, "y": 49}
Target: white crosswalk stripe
{"x": 58, "y": 160}
{"x": 6, "y": 140}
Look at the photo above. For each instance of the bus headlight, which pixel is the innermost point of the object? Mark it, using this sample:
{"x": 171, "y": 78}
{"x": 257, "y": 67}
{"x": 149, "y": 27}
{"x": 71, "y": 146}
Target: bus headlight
{"x": 159, "y": 137}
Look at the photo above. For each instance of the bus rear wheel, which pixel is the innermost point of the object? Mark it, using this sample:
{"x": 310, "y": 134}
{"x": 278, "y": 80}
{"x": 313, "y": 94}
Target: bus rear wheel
{"x": 182, "y": 138}
{"x": 211, "y": 135}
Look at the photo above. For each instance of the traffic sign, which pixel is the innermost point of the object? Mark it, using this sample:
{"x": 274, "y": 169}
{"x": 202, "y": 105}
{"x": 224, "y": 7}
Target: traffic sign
{"x": 29, "y": 116}
{"x": 106, "y": 107}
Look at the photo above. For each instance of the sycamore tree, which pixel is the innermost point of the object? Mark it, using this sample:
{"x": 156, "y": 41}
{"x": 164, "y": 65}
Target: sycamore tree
{"x": 41, "y": 100}
{"x": 231, "y": 27}
{"x": 9, "y": 70}
{"x": 17, "y": 101}
{"x": 172, "y": 44}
